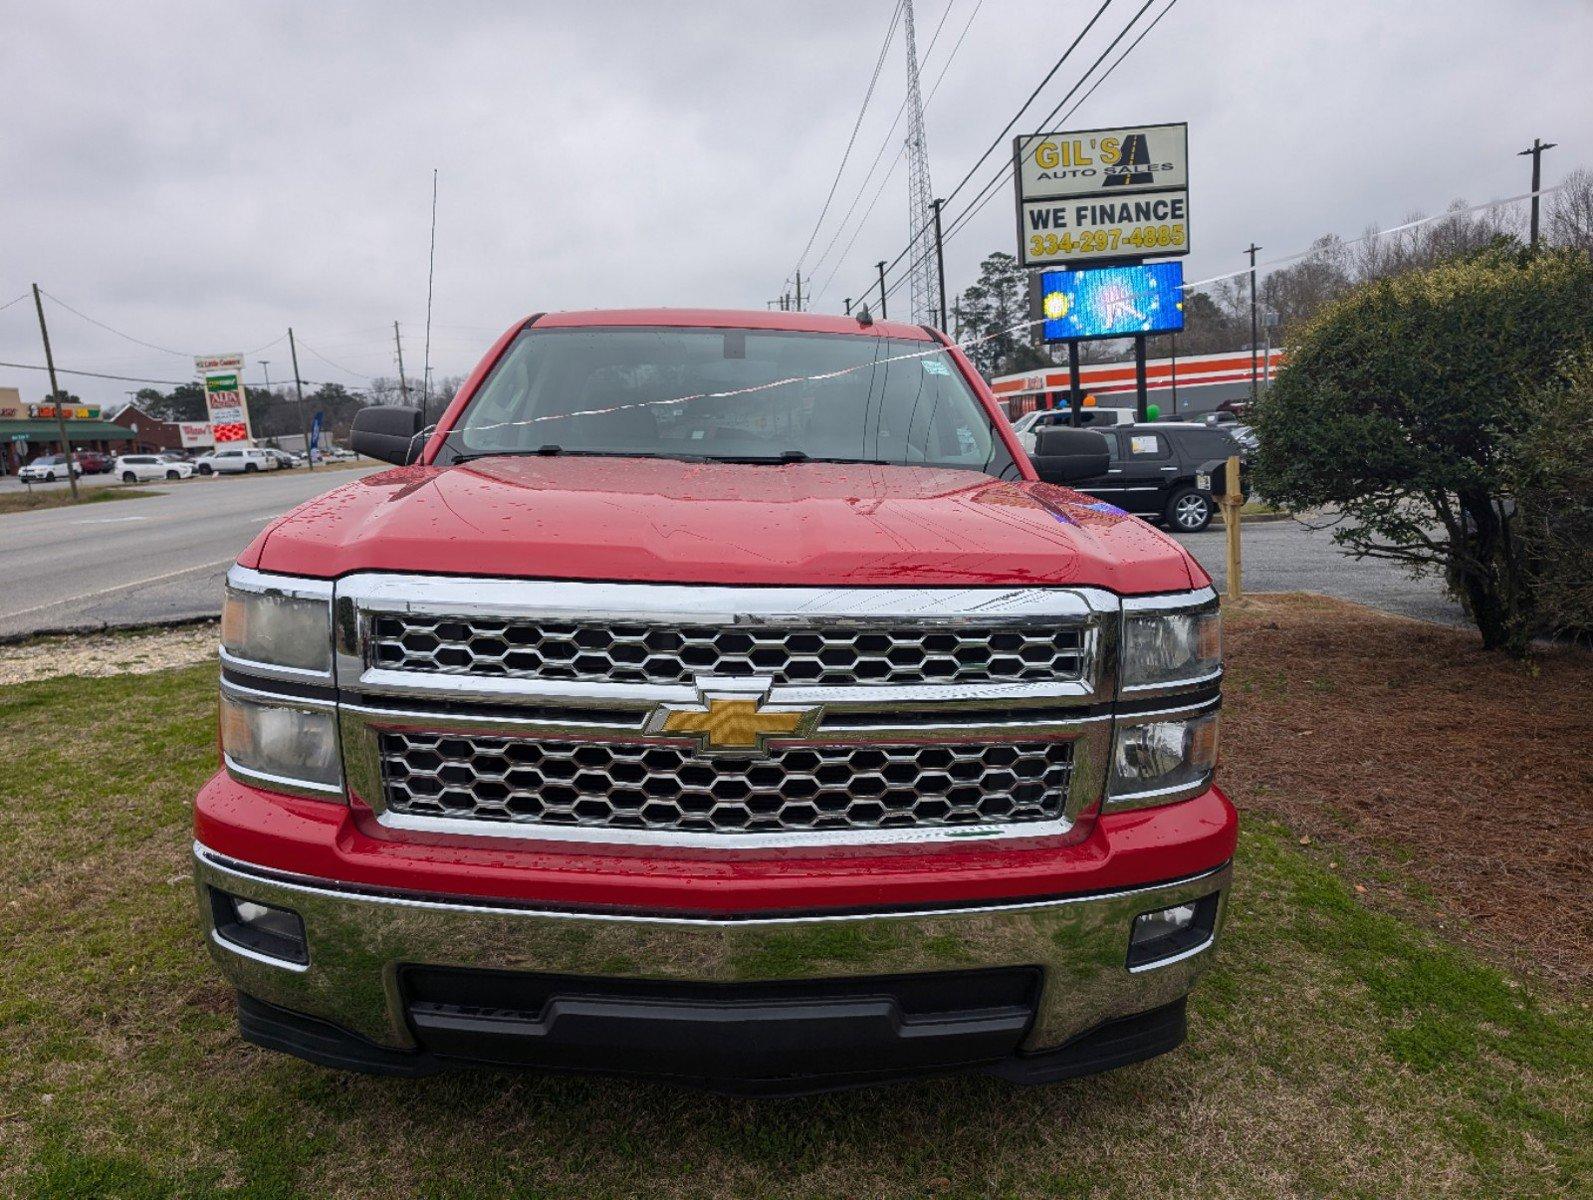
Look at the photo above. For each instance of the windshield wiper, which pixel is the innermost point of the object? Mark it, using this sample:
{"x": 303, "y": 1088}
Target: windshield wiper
{"x": 554, "y": 450}
{"x": 784, "y": 458}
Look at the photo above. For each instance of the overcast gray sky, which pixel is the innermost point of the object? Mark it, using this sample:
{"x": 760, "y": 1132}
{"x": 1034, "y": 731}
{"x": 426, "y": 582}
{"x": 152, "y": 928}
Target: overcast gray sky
{"x": 202, "y": 175}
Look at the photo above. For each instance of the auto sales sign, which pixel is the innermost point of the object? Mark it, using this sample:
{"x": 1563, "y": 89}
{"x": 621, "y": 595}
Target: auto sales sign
{"x": 1102, "y": 194}
{"x": 225, "y": 398}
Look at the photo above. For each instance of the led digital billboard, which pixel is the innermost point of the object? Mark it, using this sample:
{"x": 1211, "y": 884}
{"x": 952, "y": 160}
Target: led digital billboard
{"x": 1112, "y": 301}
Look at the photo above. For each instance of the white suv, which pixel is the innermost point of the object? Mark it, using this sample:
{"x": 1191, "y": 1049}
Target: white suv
{"x": 235, "y": 460}
{"x": 133, "y": 468}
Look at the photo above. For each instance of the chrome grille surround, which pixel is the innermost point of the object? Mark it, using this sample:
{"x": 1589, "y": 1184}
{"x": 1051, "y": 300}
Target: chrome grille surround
{"x": 792, "y": 786}
{"x": 379, "y": 700}
{"x": 676, "y": 652}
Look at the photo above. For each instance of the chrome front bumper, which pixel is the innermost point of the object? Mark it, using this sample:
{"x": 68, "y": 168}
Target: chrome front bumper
{"x": 358, "y": 941}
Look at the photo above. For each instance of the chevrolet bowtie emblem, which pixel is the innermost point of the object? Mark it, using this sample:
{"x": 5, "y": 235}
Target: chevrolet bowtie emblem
{"x": 732, "y": 716}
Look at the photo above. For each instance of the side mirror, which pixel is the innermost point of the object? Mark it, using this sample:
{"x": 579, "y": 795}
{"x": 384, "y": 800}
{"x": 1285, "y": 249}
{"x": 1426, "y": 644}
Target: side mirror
{"x": 387, "y": 432}
{"x": 1063, "y": 455}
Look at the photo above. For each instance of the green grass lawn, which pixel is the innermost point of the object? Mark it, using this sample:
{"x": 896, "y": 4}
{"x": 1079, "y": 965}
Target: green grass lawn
{"x": 30, "y": 501}
{"x": 1334, "y": 1050}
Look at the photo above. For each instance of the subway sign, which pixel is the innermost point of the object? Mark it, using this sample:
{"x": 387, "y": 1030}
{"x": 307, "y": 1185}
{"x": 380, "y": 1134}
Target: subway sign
{"x": 1102, "y": 194}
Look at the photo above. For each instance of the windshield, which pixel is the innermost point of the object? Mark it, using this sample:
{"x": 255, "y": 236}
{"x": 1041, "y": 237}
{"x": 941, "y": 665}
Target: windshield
{"x": 738, "y": 395}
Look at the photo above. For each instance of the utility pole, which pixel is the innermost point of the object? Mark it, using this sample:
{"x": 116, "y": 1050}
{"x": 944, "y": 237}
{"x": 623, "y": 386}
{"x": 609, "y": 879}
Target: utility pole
{"x": 298, "y": 386}
{"x": 403, "y": 384}
{"x": 799, "y": 292}
{"x": 1251, "y": 251}
{"x": 56, "y": 395}
{"x": 883, "y": 315}
{"x": 1536, "y": 151}
{"x": 940, "y": 265}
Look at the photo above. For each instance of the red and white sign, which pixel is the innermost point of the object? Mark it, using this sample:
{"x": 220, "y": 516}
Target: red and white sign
{"x": 225, "y": 397}
{"x": 195, "y": 433}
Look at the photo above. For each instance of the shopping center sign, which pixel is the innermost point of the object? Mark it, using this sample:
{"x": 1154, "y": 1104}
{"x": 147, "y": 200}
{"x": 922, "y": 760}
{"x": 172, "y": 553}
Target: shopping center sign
{"x": 1102, "y": 194}
{"x": 224, "y": 397}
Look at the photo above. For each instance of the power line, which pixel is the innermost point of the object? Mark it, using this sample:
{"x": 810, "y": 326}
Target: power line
{"x": 879, "y": 63}
{"x": 334, "y": 365}
{"x": 1066, "y": 54}
{"x": 889, "y": 134}
{"x": 988, "y": 192}
{"x": 18, "y": 300}
{"x": 109, "y": 329}
{"x": 901, "y": 151}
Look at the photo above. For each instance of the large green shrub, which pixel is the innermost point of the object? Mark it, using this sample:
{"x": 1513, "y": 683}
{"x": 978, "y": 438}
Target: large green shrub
{"x": 1553, "y": 464}
{"x": 1407, "y": 406}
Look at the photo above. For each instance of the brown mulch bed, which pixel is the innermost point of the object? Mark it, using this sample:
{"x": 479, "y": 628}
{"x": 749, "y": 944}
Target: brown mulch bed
{"x": 1409, "y": 747}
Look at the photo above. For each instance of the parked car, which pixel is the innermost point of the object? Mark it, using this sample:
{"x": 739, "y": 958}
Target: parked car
{"x": 1162, "y": 471}
{"x": 1027, "y": 425}
{"x": 93, "y": 462}
{"x": 578, "y": 740}
{"x": 236, "y": 460}
{"x": 134, "y": 468}
{"x": 47, "y": 468}
{"x": 340, "y": 454}
{"x": 285, "y": 458}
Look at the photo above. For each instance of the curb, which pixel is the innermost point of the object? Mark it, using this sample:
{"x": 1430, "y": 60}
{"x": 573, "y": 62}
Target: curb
{"x": 12, "y": 639}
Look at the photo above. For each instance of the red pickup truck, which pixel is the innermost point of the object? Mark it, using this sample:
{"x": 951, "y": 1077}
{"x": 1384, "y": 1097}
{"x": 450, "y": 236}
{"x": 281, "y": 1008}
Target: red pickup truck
{"x": 719, "y": 696}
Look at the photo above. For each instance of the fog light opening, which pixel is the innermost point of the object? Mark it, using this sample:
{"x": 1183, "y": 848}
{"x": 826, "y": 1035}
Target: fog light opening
{"x": 1168, "y": 934}
{"x": 260, "y": 930}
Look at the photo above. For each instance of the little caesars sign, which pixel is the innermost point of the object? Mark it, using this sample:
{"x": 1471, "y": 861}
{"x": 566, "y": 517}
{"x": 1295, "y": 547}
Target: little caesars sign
{"x": 224, "y": 397}
{"x": 1093, "y": 194}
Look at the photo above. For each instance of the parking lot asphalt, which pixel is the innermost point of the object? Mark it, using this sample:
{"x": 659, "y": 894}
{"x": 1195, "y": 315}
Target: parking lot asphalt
{"x": 1288, "y": 556}
{"x": 163, "y": 558}
{"x": 144, "y": 561}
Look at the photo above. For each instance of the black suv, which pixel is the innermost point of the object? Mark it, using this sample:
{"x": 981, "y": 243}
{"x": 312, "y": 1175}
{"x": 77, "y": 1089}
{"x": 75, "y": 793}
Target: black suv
{"x": 1162, "y": 471}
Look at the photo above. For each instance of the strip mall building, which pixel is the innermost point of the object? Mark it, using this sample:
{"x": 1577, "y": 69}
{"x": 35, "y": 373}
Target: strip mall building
{"x": 1179, "y": 387}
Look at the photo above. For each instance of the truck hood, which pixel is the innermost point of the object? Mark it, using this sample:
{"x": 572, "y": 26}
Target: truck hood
{"x": 666, "y": 521}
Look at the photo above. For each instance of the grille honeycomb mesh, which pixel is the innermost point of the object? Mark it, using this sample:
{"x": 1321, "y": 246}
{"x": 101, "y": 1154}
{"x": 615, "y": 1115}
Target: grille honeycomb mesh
{"x": 637, "y": 653}
{"x": 629, "y": 785}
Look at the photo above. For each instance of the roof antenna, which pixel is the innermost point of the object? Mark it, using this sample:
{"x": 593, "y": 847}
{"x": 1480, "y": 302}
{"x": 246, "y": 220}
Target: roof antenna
{"x": 864, "y": 317}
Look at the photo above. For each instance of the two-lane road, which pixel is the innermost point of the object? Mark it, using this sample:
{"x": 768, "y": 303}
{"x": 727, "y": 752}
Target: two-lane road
{"x": 144, "y": 561}
{"x": 140, "y": 561}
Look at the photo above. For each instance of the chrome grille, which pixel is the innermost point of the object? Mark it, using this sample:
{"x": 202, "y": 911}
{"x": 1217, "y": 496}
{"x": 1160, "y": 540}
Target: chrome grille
{"x": 791, "y": 788}
{"x": 661, "y": 654}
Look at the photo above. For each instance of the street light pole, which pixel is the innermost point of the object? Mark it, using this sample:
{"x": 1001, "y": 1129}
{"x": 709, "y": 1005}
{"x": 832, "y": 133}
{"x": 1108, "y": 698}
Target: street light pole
{"x": 1536, "y": 151}
{"x": 1251, "y": 251}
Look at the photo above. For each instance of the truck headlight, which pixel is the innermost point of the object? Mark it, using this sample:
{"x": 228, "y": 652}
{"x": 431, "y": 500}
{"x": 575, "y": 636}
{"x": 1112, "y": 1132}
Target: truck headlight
{"x": 282, "y": 743}
{"x": 1162, "y": 648}
{"x": 1160, "y": 761}
{"x": 276, "y": 621}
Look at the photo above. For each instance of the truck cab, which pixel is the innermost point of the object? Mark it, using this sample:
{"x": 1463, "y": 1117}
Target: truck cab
{"x": 721, "y": 697}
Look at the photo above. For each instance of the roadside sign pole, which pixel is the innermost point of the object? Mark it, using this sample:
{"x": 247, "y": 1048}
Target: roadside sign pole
{"x": 298, "y": 386}
{"x": 1232, "y": 501}
{"x": 56, "y": 396}
{"x": 1075, "y": 393}
{"x": 1141, "y": 396}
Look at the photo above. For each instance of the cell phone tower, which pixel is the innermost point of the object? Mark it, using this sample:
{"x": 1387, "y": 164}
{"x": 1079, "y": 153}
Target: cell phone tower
{"x": 924, "y": 295}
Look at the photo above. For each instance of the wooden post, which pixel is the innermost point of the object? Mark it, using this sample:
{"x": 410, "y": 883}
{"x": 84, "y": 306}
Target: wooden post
{"x": 1232, "y": 501}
